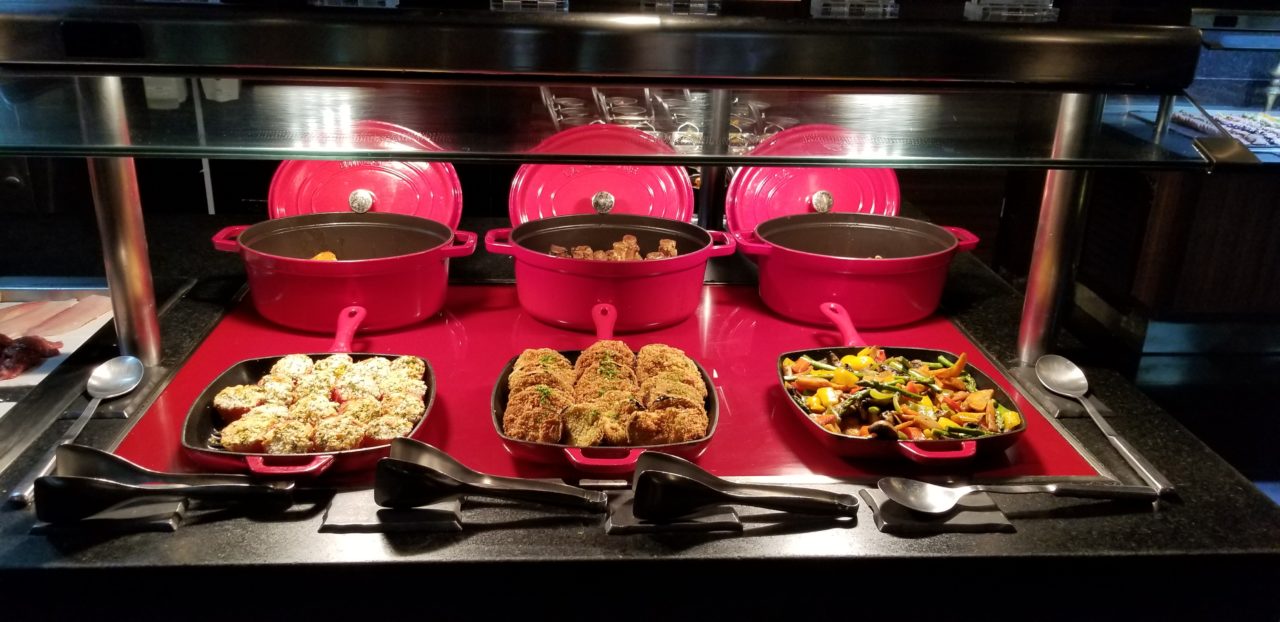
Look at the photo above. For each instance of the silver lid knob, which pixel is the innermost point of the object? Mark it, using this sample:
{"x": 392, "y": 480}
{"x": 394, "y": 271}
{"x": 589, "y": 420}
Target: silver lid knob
{"x": 822, "y": 201}
{"x": 602, "y": 202}
{"x": 360, "y": 201}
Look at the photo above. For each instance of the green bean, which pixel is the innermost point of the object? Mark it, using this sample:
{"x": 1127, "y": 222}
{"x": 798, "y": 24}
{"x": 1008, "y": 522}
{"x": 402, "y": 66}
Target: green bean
{"x": 880, "y": 386}
{"x": 945, "y": 362}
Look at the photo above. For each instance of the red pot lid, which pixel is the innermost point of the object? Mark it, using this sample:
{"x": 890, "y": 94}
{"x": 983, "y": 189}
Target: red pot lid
{"x": 543, "y": 190}
{"x": 424, "y": 189}
{"x": 757, "y": 194}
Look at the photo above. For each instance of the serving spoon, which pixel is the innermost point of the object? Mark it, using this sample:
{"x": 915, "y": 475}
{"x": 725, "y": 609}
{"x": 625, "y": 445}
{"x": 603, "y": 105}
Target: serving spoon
{"x": 113, "y": 378}
{"x": 935, "y": 499}
{"x": 1063, "y": 377}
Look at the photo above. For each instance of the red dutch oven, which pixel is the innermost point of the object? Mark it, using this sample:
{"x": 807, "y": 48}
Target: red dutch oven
{"x": 931, "y": 452}
{"x": 887, "y": 270}
{"x": 572, "y": 205}
{"x": 605, "y": 460}
{"x": 203, "y": 420}
{"x": 394, "y": 265}
{"x": 817, "y": 231}
{"x": 652, "y": 293}
{"x": 390, "y": 224}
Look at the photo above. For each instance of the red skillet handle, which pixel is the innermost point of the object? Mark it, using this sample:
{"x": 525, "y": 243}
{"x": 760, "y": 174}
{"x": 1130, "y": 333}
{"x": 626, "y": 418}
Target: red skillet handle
{"x": 316, "y": 466}
{"x": 965, "y": 239}
{"x": 753, "y": 247}
{"x": 464, "y": 244}
{"x": 605, "y": 316}
{"x": 349, "y": 320}
{"x": 625, "y": 464}
{"x": 916, "y": 453}
{"x": 498, "y": 241}
{"x": 228, "y": 240}
{"x": 840, "y": 317}
{"x": 721, "y": 244}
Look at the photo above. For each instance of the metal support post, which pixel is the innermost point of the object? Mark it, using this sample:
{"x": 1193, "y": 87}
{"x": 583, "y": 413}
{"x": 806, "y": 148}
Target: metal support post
{"x": 716, "y": 142}
{"x": 1053, "y": 256}
{"x": 119, "y": 211}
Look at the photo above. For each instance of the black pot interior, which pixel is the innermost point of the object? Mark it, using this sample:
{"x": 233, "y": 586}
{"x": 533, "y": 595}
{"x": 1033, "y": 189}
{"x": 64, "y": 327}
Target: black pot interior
{"x": 350, "y": 236}
{"x": 600, "y": 231}
{"x": 856, "y": 236}
{"x": 980, "y": 378}
{"x": 501, "y": 392}
{"x": 203, "y": 419}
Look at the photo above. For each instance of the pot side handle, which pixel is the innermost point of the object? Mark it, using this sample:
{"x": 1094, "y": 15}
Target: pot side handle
{"x": 965, "y": 239}
{"x": 316, "y": 466}
{"x": 228, "y": 239}
{"x": 751, "y": 245}
{"x": 722, "y": 244}
{"x": 626, "y": 464}
{"x": 464, "y": 243}
{"x": 916, "y": 453}
{"x": 605, "y": 316}
{"x": 349, "y": 320}
{"x": 498, "y": 241}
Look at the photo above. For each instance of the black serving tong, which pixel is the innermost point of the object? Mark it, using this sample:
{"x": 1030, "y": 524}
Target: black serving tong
{"x": 417, "y": 474}
{"x": 87, "y": 481}
{"x": 668, "y": 488}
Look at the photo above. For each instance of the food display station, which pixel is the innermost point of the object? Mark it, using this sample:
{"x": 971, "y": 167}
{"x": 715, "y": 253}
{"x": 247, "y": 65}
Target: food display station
{"x": 486, "y": 87}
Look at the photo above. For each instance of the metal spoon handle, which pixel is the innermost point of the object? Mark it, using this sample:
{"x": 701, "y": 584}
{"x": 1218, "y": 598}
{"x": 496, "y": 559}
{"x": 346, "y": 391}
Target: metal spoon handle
{"x": 1068, "y": 489}
{"x": 1137, "y": 461}
{"x": 21, "y": 495}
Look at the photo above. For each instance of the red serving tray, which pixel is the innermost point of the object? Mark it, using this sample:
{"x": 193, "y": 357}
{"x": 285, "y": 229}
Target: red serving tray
{"x": 733, "y": 335}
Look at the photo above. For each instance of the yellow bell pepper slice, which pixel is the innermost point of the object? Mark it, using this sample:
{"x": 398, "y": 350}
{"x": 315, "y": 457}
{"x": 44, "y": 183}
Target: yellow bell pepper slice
{"x": 968, "y": 417}
{"x": 859, "y": 362}
{"x": 1011, "y": 419}
{"x": 947, "y": 423}
{"x": 828, "y": 396}
{"x": 927, "y": 403}
{"x": 814, "y": 404}
{"x": 845, "y": 378}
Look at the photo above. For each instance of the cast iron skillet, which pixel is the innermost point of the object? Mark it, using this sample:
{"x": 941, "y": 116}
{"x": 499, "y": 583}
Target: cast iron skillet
{"x": 924, "y": 452}
{"x": 598, "y": 459}
{"x": 203, "y": 419}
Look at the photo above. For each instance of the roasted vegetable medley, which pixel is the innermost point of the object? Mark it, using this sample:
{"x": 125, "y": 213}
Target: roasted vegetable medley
{"x": 871, "y": 395}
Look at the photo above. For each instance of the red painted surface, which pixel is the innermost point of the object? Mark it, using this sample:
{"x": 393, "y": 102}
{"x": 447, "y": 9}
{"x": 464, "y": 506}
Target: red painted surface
{"x": 733, "y": 335}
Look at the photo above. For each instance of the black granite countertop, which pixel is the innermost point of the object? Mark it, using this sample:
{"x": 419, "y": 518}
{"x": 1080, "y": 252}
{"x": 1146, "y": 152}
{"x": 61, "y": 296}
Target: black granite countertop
{"x": 1213, "y": 551}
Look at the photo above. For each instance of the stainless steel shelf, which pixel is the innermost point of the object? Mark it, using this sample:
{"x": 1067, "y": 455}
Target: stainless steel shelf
{"x": 300, "y": 119}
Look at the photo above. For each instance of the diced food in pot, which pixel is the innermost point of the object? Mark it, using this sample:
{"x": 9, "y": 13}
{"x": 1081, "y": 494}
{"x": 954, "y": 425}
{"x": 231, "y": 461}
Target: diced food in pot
{"x": 626, "y": 249}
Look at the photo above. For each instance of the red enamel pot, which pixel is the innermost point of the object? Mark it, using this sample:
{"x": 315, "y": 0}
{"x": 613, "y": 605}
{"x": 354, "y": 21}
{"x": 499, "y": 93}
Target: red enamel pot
{"x": 650, "y": 293}
{"x": 203, "y": 419}
{"x": 809, "y": 259}
{"x": 930, "y": 452}
{"x": 395, "y": 266}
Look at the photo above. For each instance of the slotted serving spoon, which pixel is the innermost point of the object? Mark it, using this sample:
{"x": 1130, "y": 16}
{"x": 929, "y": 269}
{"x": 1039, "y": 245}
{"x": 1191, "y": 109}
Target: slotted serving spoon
{"x": 935, "y": 499}
{"x": 418, "y": 474}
